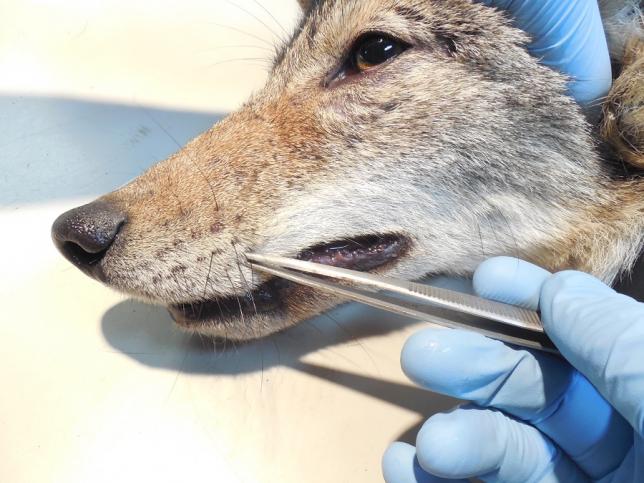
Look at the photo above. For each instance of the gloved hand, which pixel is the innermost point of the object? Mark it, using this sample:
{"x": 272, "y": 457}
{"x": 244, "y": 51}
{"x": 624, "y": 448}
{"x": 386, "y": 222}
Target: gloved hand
{"x": 534, "y": 417}
{"x": 568, "y": 36}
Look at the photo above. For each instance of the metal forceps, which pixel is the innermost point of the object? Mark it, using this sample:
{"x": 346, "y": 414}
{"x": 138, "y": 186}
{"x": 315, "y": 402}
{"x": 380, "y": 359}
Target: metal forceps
{"x": 440, "y": 306}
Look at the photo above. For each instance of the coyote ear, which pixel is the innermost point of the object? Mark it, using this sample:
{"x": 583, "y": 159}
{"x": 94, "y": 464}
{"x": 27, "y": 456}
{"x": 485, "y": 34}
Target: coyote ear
{"x": 307, "y": 4}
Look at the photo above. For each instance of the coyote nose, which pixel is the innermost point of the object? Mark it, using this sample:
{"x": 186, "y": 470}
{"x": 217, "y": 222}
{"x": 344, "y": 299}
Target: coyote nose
{"x": 84, "y": 234}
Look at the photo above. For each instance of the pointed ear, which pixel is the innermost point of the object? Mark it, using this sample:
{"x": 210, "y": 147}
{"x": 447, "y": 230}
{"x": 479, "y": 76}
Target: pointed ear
{"x": 306, "y": 4}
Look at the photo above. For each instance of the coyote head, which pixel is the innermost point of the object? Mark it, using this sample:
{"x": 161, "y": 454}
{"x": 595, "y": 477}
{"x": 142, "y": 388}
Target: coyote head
{"x": 403, "y": 137}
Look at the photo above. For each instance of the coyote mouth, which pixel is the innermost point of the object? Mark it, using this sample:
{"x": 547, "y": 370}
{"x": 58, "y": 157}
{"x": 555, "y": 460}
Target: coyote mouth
{"x": 363, "y": 254}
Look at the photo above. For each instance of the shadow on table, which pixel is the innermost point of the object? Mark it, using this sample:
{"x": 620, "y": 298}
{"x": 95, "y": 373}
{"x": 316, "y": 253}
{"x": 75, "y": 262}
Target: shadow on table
{"x": 147, "y": 334}
{"x": 54, "y": 148}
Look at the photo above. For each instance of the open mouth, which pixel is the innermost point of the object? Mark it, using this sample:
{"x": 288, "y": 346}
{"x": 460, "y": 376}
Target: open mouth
{"x": 363, "y": 254}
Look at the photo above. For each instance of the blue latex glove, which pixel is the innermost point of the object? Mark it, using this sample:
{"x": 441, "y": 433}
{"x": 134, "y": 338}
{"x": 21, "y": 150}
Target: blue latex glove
{"x": 568, "y": 35}
{"x": 534, "y": 417}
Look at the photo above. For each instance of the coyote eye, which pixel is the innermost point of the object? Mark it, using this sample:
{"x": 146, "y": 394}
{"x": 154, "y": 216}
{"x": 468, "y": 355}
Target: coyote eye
{"x": 374, "y": 50}
{"x": 368, "y": 52}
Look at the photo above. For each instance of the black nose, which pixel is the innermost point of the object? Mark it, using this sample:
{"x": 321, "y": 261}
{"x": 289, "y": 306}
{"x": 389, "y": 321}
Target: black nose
{"x": 84, "y": 234}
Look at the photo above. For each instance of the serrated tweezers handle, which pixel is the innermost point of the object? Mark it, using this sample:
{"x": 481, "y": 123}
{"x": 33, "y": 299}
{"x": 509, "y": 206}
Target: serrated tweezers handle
{"x": 446, "y": 307}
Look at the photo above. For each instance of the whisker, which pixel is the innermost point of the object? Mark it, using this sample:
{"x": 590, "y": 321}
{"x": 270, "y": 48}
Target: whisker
{"x": 192, "y": 160}
{"x": 514, "y": 238}
{"x": 241, "y": 310}
{"x": 259, "y": 61}
{"x": 268, "y": 27}
{"x": 271, "y": 16}
{"x": 243, "y": 32}
{"x": 311, "y": 325}
{"x": 221, "y": 47}
{"x": 480, "y": 231}
{"x": 249, "y": 290}
{"x": 205, "y": 288}
{"x": 352, "y": 337}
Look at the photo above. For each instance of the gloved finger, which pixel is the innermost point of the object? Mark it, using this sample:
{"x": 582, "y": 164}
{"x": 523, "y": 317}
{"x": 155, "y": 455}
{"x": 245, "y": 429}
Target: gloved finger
{"x": 601, "y": 333}
{"x": 567, "y": 35}
{"x": 538, "y": 388}
{"x": 400, "y": 465}
{"x": 471, "y": 442}
{"x": 511, "y": 281}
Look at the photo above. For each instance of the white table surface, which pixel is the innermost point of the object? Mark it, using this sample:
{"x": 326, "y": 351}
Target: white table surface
{"x": 99, "y": 388}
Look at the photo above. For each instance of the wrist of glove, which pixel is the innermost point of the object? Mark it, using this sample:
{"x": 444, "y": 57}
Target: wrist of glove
{"x": 533, "y": 416}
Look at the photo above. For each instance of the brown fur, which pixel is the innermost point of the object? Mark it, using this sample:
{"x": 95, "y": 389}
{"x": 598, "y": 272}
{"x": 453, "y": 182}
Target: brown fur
{"x": 623, "y": 124}
{"x": 464, "y": 144}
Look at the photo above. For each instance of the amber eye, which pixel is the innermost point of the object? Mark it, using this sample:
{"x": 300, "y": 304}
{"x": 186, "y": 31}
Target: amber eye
{"x": 375, "y": 50}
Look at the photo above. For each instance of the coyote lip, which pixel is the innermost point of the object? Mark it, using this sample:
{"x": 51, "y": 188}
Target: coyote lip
{"x": 363, "y": 254}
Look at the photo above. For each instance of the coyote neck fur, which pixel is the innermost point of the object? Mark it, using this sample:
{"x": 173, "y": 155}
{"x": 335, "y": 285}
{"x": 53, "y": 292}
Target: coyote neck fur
{"x": 608, "y": 239}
